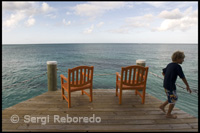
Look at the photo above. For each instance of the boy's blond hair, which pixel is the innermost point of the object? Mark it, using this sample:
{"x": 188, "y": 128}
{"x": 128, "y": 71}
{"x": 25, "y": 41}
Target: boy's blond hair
{"x": 178, "y": 55}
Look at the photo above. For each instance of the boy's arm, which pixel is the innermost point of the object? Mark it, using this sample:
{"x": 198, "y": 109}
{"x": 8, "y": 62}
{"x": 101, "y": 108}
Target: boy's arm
{"x": 163, "y": 74}
{"x": 187, "y": 85}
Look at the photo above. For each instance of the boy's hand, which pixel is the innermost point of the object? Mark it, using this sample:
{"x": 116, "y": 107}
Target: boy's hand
{"x": 188, "y": 89}
{"x": 163, "y": 74}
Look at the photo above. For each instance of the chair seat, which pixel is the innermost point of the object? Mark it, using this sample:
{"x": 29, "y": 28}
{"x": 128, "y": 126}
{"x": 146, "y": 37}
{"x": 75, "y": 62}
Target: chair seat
{"x": 138, "y": 87}
{"x": 77, "y": 88}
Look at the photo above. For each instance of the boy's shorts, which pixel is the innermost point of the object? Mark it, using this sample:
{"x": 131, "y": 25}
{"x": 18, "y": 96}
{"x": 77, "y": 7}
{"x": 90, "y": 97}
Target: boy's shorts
{"x": 172, "y": 96}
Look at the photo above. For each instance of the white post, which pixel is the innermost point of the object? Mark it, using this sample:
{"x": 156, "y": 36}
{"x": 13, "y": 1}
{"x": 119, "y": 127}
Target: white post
{"x": 52, "y": 75}
{"x": 141, "y": 62}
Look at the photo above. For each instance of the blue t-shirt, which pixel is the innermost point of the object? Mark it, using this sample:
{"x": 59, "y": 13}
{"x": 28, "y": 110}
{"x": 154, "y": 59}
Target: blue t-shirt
{"x": 171, "y": 72}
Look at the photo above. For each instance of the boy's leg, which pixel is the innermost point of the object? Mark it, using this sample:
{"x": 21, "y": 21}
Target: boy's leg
{"x": 169, "y": 115}
{"x": 172, "y": 98}
{"x": 162, "y": 107}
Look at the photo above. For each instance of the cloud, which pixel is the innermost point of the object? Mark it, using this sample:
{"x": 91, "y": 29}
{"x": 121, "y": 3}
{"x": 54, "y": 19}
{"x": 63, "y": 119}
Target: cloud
{"x": 175, "y": 20}
{"x": 52, "y": 16}
{"x": 46, "y": 8}
{"x": 15, "y": 12}
{"x": 170, "y": 5}
{"x": 14, "y": 19}
{"x": 94, "y": 9}
{"x": 139, "y": 21}
{"x": 170, "y": 20}
{"x": 68, "y": 13}
{"x": 121, "y": 30}
{"x": 14, "y": 6}
{"x": 30, "y": 22}
{"x": 100, "y": 24}
{"x": 174, "y": 14}
{"x": 89, "y": 30}
{"x": 134, "y": 23}
{"x": 157, "y": 4}
{"x": 66, "y": 23}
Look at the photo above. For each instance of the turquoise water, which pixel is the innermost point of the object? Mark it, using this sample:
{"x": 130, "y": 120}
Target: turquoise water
{"x": 23, "y": 62}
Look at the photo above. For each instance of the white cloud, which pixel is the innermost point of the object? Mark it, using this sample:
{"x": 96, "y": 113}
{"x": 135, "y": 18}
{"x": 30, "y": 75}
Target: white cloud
{"x": 173, "y": 20}
{"x": 94, "y": 9}
{"x": 15, "y": 12}
{"x": 170, "y": 5}
{"x": 129, "y": 5}
{"x": 100, "y": 24}
{"x": 89, "y": 30}
{"x": 68, "y": 13}
{"x": 30, "y": 22}
{"x": 174, "y": 14}
{"x": 139, "y": 21}
{"x": 66, "y": 23}
{"x": 14, "y": 19}
{"x": 121, "y": 30}
{"x": 185, "y": 21}
{"x": 52, "y": 16}
{"x": 46, "y": 8}
{"x": 133, "y": 23}
{"x": 157, "y": 4}
{"x": 13, "y": 6}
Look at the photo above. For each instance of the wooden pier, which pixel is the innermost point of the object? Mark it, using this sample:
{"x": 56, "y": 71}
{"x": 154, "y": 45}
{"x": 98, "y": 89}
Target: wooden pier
{"x": 130, "y": 116}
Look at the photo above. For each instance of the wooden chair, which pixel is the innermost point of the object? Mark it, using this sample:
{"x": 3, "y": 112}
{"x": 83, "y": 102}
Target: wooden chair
{"x": 79, "y": 79}
{"x": 132, "y": 78}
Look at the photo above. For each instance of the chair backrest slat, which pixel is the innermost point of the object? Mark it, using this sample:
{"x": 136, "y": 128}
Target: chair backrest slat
{"x": 76, "y": 76}
{"x": 125, "y": 76}
{"x": 142, "y": 75}
{"x": 137, "y": 76}
{"x": 88, "y": 73}
{"x": 130, "y": 72}
{"x": 134, "y": 75}
{"x": 72, "y": 78}
{"x": 81, "y": 75}
{"x": 84, "y": 75}
{"x": 134, "y": 72}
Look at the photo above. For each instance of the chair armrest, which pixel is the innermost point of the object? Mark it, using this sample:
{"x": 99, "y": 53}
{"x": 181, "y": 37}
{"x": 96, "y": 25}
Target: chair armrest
{"x": 118, "y": 75}
{"x": 63, "y": 77}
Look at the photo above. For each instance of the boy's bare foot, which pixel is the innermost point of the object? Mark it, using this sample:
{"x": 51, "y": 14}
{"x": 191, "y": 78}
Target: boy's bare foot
{"x": 171, "y": 116}
{"x": 162, "y": 108}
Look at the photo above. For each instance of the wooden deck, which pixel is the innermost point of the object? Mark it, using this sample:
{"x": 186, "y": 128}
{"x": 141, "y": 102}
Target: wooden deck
{"x": 130, "y": 116}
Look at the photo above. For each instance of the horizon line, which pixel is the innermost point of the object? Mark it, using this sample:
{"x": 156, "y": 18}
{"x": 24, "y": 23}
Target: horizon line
{"x": 91, "y": 43}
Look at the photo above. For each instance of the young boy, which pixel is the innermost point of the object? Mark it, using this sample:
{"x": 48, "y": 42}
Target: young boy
{"x": 170, "y": 74}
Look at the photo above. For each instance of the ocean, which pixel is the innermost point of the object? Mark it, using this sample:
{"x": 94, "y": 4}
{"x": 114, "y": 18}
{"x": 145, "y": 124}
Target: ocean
{"x": 21, "y": 65}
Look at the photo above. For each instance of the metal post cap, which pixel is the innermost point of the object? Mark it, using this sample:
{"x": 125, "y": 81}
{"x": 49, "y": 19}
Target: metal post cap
{"x": 140, "y": 61}
{"x": 51, "y": 62}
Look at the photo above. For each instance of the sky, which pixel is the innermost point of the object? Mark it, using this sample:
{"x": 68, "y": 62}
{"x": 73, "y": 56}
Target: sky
{"x": 99, "y": 22}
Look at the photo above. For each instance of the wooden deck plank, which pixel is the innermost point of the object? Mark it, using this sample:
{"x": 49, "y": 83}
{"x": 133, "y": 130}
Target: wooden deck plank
{"x": 130, "y": 116}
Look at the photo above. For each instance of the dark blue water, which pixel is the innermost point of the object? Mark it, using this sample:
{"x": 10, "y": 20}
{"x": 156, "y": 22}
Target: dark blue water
{"x": 23, "y": 62}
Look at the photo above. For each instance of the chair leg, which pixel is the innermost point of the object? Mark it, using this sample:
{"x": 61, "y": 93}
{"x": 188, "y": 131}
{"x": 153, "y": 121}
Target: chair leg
{"x": 91, "y": 94}
{"x": 120, "y": 96}
{"x": 116, "y": 90}
{"x": 69, "y": 100}
{"x": 62, "y": 93}
{"x": 135, "y": 92}
{"x": 143, "y": 96}
{"x": 82, "y": 92}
